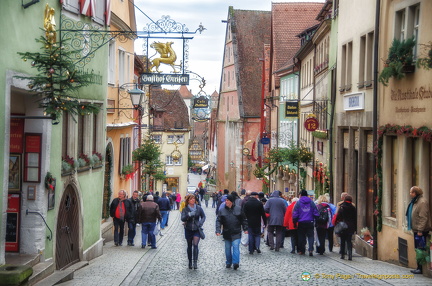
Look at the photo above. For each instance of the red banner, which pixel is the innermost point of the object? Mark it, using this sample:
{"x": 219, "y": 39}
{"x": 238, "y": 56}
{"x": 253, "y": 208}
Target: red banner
{"x": 12, "y": 223}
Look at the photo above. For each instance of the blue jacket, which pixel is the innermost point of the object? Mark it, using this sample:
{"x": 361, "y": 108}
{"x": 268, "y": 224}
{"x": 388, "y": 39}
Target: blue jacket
{"x": 305, "y": 210}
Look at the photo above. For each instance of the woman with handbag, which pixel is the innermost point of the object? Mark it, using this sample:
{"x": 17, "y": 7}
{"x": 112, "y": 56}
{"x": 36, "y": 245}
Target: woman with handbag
{"x": 347, "y": 214}
{"x": 193, "y": 217}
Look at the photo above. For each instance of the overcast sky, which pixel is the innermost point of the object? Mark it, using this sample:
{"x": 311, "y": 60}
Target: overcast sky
{"x": 206, "y": 49}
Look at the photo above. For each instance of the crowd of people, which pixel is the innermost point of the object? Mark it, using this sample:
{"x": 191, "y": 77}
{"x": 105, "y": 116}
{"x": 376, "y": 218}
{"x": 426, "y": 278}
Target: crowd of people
{"x": 251, "y": 217}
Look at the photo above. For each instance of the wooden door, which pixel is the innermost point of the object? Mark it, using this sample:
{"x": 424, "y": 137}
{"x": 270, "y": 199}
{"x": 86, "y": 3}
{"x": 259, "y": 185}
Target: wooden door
{"x": 67, "y": 237}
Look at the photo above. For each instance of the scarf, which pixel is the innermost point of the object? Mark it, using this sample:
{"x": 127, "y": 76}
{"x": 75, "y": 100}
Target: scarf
{"x": 194, "y": 208}
{"x": 409, "y": 211}
{"x": 121, "y": 209}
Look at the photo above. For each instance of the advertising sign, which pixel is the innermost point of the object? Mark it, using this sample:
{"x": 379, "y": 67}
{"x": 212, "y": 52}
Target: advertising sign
{"x": 291, "y": 109}
{"x": 311, "y": 124}
{"x": 160, "y": 78}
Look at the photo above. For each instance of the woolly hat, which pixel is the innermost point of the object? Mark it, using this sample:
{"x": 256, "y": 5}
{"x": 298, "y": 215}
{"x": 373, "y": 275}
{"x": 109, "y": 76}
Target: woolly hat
{"x": 149, "y": 197}
{"x": 303, "y": 193}
{"x": 231, "y": 198}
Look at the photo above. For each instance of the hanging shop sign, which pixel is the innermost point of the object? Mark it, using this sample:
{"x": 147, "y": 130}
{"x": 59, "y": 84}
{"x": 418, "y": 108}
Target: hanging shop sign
{"x": 265, "y": 140}
{"x": 200, "y": 102}
{"x": 160, "y": 78}
{"x": 311, "y": 124}
{"x": 291, "y": 109}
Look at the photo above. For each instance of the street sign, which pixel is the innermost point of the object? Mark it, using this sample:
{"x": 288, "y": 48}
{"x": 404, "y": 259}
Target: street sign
{"x": 311, "y": 124}
{"x": 265, "y": 141}
{"x": 160, "y": 78}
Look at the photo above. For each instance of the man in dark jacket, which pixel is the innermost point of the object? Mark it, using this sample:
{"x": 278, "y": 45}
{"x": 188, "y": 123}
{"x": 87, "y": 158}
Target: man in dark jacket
{"x": 164, "y": 207}
{"x": 304, "y": 213}
{"x": 254, "y": 212}
{"x": 120, "y": 211}
{"x": 232, "y": 218}
{"x": 148, "y": 217}
{"x": 135, "y": 206}
{"x": 276, "y": 207}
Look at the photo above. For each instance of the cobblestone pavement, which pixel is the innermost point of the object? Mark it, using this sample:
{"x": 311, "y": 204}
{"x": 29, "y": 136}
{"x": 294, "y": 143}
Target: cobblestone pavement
{"x": 167, "y": 265}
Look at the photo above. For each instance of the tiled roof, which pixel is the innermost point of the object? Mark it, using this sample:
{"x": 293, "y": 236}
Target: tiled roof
{"x": 185, "y": 92}
{"x": 172, "y": 106}
{"x": 251, "y": 30}
{"x": 288, "y": 20}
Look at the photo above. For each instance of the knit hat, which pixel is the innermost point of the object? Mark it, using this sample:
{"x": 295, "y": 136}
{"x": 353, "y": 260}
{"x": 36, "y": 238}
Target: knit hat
{"x": 231, "y": 198}
{"x": 304, "y": 193}
{"x": 149, "y": 197}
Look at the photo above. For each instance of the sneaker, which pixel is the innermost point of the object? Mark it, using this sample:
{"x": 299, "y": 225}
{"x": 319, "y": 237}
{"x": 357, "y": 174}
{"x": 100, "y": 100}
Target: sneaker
{"x": 160, "y": 233}
{"x": 228, "y": 266}
{"x": 236, "y": 266}
{"x": 143, "y": 246}
{"x": 258, "y": 250}
{"x": 417, "y": 271}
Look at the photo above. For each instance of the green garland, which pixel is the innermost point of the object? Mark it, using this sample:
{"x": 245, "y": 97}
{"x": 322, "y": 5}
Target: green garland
{"x": 391, "y": 129}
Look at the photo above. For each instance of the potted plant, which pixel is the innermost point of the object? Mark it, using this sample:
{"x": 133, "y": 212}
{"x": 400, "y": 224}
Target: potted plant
{"x": 127, "y": 171}
{"x": 399, "y": 60}
{"x": 83, "y": 160}
{"x": 96, "y": 159}
{"x": 69, "y": 164}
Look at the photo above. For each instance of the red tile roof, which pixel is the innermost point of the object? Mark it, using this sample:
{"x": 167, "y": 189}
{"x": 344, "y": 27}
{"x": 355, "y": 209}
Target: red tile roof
{"x": 251, "y": 31}
{"x": 288, "y": 20}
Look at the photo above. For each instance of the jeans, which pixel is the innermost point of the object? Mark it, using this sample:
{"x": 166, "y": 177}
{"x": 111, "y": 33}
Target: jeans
{"x": 163, "y": 222}
{"x": 232, "y": 251}
{"x": 118, "y": 230}
{"x": 131, "y": 231}
{"x": 294, "y": 240}
{"x": 254, "y": 235}
{"x": 148, "y": 229}
{"x": 206, "y": 203}
{"x": 305, "y": 229}
{"x": 214, "y": 203}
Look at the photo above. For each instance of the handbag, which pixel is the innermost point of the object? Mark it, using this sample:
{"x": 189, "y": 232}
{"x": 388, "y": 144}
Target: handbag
{"x": 201, "y": 232}
{"x": 340, "y": 227}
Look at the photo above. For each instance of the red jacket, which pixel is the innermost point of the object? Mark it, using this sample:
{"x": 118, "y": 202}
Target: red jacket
{"x": 288, "y": 221}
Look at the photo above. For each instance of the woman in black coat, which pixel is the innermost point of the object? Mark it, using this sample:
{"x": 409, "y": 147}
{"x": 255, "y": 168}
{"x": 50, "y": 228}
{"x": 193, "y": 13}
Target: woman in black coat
{"x": 348, "y": 214}
{"x": 193, "y": 217}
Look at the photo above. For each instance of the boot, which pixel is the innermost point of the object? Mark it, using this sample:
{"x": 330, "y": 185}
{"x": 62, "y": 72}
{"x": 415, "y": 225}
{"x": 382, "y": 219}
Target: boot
{"x": 195, "y": 266}
{"x": 190, "y": 264}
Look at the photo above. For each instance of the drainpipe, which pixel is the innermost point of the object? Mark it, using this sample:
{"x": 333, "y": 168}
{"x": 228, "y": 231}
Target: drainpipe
{"x": 375, "y": 118}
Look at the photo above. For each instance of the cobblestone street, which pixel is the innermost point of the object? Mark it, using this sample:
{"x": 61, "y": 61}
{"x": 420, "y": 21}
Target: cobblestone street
{"x": 167, "y": 265}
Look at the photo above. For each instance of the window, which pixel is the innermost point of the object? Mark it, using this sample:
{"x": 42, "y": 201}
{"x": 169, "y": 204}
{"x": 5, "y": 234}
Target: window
{"x": 407, "y": 22}
{"x": 170, "y": 162}
{"x": 366, "y": 60}
{"x": 111, "y": 62}
{"x": 122, "y": 67}
{"x": 393, "y": 169}
{"x": 171, "y": 139}
{"x": 157, "y": 138}
{"x": 99, "y": 13}
{"x": 97, "y": 133}
{"x": 72, "y": 6}
{"x": 346, "y": 68}
{"x": 125, "y": 152}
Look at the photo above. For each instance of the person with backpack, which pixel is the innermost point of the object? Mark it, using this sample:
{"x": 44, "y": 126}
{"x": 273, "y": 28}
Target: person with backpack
{"x": 304, "y": 213}
{"x": 322, "y": 222}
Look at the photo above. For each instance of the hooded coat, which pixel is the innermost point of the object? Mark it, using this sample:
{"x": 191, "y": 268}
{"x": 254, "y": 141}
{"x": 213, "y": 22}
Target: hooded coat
{"x": 276, "y": 207}
{"x": 305, "y": 210}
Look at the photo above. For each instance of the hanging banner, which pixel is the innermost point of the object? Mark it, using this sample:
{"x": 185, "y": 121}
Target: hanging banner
{"x": 160, "y": 78}
{"x": 291, "y": 109}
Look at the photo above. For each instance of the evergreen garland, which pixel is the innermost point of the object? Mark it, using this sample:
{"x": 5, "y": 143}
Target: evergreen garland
{"x": 57, "y": 80}
{"x": 391, "y": 129}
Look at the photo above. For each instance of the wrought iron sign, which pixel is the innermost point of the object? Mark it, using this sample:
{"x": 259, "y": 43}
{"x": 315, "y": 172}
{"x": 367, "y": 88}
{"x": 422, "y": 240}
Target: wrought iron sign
{"x": 164, "y": 64}
{"x": 200, "y": 102}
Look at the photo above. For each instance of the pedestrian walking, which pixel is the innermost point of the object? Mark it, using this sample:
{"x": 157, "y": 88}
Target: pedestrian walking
{"x": 304, "y": 214}
{"x": 120, "y": 211}
{"x": 193, "y": 217}
{"x": 149, "y": 215}
{"x": 255, "y": 215}
{"x": 214, "y": 199}
{"x": 419, "y": 221}
{"x": 178, "y": 200}
{"x": 275, "y": 207}
{"x": 348, "y": 214}
{"x": 135, "y": 207}
{"x": 322, "y": 222}
{"x": 164, "y": 208}
{"x": 291, "y": 226}
{"x": 232, "y": 219}
{"x": 206, "y": 199}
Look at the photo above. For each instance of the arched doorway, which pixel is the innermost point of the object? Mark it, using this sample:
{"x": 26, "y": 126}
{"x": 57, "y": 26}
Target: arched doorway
{"x": 67, "y": 237}
{"x": 107, "y": 182}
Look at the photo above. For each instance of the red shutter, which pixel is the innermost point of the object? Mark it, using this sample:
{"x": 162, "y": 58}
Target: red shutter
{"x": 87, "y": 7}
{"x": 108, "y": 12}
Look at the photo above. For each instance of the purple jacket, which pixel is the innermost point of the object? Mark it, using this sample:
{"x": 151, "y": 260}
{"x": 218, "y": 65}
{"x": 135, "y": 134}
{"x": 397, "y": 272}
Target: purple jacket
{"x": 305, "y": 210}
